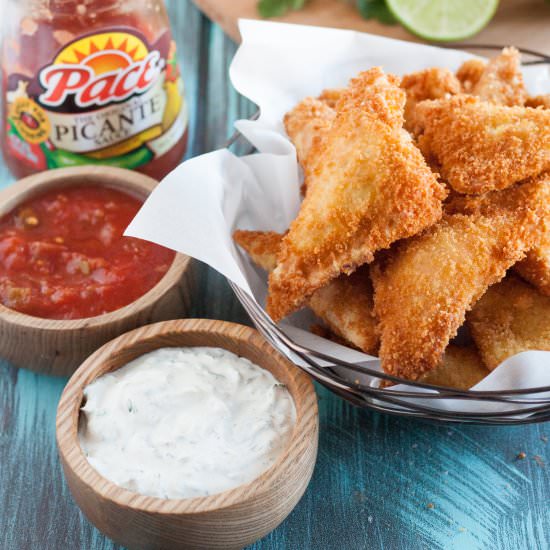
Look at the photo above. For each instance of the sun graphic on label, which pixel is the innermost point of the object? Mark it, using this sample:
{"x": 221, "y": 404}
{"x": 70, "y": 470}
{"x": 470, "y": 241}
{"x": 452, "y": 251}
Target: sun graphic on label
{"x": 105, "y": 52}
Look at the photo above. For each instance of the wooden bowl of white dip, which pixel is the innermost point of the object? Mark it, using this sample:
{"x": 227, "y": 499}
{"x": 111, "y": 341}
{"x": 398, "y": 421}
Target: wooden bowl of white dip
{"x": 230, "y": 519}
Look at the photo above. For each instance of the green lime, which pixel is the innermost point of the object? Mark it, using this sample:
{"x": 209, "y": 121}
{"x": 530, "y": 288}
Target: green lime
{"x": 443, "y": 20}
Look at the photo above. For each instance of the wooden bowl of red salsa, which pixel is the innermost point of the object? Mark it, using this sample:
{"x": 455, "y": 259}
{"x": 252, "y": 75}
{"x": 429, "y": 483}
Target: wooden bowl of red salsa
{"x": 69, "y": 280}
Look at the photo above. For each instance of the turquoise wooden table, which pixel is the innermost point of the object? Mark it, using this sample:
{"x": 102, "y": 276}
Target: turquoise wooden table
{"x": 380, "y": 482}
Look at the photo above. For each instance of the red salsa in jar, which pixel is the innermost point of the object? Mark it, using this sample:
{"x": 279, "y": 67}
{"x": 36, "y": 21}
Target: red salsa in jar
{"x": 91, "y": 82}
{"x": 63, "y": 255}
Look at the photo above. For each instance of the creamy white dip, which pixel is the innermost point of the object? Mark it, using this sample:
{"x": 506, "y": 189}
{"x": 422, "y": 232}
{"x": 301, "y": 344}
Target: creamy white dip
{"x": 185, "y": 422}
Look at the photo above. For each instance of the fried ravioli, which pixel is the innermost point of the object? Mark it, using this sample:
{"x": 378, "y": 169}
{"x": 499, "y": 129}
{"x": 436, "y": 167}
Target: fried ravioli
{"x": 535, "y": 268}
{"x": 306, "y": 124}
{"x": 461, "y": 368}
{"x": 345, "y": 305}
{"x": 469, "y": 73}
{"x": 374, "y": 188}
{"x": 433, "y": 83}
{"x": 425, "y": 285}
{"x": 261, "y": 246}
{"x": 501, "y": 81}
{"x": 481, "y": 147}
{"x": 510, "y": 318}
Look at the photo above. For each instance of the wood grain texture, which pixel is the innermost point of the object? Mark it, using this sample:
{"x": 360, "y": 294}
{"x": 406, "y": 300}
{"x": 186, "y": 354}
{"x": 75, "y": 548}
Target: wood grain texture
{"x": 375, "y": 474}
{"x": 228, "y": 520}
{"x": 59, "y": 346}
{"x": 522, "y": 23}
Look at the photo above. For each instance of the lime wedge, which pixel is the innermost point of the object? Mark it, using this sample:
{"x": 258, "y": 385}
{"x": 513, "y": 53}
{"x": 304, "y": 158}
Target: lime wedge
{"x": 443, "y": 20}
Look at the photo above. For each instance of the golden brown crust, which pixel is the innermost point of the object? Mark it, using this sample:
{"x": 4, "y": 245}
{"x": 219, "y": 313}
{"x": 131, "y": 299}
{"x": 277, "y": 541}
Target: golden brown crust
{"x": 469, "y": 73}
{"x": 261, "y": 246}
{"x": 331, "y": 96}
{"x": 345, "y": 305}
{"x": 461, "y": 368}
{"x": 481, "y": 147}
{"x": 535, "y": 268}
{"x": 539, "y": 101}
{"x": 307, "y": 123}
{"x": 376, "y": 93}
{"x": 495, "y": 201}
{"x": 375, "y": 188}
{"x": 501, "y": 82}
{"x": 510, "y": 318}
{"x": 425, "y": 286}
{"x": 433, "y": 83}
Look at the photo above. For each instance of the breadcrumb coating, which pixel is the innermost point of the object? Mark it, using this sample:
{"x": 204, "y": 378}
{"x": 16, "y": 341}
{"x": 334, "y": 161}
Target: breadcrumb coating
{"x": 510, "y": 318}
{"x": 481, "y": 147}
{"x": 261, "y": 246}
{"x": 535, "y": 268}
{"x": 346, "y": 306}
{"x": 539, "y": 101}
{"x": 469, "y": 73}
{"x": 306, "y": 124}
{"x": 425, "y": 285}
{"x": 501, "y": 81}
{"x": 331, "y": 96}
{"x": 433, "y": 83}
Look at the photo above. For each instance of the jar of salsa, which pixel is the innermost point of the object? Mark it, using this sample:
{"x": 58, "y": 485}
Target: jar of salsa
{"x": 91, "y": 82}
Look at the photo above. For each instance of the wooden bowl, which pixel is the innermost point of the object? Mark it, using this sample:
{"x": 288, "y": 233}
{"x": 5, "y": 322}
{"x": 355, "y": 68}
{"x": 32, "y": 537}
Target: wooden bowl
{"x": 231, "y": 519}
{"x": 58, "y": 346}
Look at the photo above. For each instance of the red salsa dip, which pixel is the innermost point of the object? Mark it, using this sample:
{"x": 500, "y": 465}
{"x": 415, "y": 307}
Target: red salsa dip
{"x": 63, "y": 256}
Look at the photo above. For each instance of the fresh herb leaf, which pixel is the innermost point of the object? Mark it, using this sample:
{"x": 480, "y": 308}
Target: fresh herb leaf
{"x": 276, "y": 8}
{"x": 376, "y": 9}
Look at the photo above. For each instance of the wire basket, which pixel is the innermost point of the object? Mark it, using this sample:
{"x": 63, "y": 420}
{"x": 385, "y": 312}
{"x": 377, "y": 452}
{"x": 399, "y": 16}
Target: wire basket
{"x": 360, "y": 383}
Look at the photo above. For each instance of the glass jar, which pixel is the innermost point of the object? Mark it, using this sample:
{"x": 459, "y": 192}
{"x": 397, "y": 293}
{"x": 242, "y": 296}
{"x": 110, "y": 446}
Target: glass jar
{"x": 91, "y": 82}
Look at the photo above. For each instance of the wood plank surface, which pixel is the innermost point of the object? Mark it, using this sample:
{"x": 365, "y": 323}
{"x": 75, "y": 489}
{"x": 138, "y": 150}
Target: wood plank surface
{"x": 524, "y": 23}
{"x": 376, "y": 475}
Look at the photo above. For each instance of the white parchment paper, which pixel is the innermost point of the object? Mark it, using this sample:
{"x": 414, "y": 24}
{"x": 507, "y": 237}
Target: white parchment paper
{"x": 196, "y": 208}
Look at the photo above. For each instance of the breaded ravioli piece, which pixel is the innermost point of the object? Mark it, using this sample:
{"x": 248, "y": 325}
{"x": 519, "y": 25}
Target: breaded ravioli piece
{"x": 261, "y": 246}
{"x": 433, "y": 83}
{"x": 535, "y": 268}
{"x": 345, "y": 304}
{"x": 307, "y": 123}
{"x": 368, "y": 187}
{"x": 482, "y": 147}
{"x": 469, "y": 73}
{"x": 501, "y": 81}
{"x": 461, "y": 368}
{"x": 510, "y": 318}
{"x": 425, "y": 285}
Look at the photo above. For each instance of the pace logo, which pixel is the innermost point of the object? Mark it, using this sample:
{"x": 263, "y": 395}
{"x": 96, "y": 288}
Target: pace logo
{"x": 100, "y": 69}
